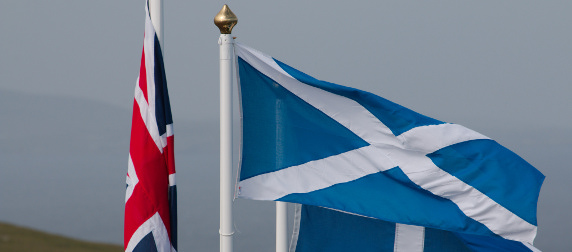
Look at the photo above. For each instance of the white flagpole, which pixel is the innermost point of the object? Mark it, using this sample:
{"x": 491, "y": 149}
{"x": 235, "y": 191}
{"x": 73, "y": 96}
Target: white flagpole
{"x": 156, "y": 12}
{"x": 225, "y": 20}
{"x": 281, "y": 226}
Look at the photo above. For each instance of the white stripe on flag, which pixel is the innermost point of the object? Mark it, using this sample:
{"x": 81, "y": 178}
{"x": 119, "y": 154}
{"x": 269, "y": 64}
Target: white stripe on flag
{"x": 170, "y": 130}
{"x": 409, "y": 238}
{"x": 532, "y": 248}
{"x": 132, "y": 179}
{"x": 148, "y": 117}
{"x": 428, "y": 139}
{"x": 172, "y": 179}
{"x": 315, "y": 175}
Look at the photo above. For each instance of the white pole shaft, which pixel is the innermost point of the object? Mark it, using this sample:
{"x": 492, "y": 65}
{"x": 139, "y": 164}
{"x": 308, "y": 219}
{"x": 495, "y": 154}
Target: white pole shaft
{"x": 281, "y": 226}
{"x": 156, "y": 12}
{"x": 226, "y": 231}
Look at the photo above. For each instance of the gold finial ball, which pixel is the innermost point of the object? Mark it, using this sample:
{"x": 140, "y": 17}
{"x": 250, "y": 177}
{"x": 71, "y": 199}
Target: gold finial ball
{"x": 225, "y": 20}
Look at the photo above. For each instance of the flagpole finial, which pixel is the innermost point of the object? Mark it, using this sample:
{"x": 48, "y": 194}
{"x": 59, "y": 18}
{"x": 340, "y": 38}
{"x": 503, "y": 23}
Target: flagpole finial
{"x": 225, "y": 20}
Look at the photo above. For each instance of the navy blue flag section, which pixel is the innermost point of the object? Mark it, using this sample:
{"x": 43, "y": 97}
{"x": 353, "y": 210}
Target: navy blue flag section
{"x": 317, "y": 229}
{"x": 317, "y": 143}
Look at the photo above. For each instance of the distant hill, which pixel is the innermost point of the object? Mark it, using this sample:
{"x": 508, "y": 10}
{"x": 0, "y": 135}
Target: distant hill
{"x": 19, "y": 239}
{"x": 63, "y": 165}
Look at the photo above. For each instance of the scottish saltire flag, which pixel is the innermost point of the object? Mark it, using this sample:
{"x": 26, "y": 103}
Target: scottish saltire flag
{"x": 316, "y": 143}
{"x": 151, "y": 196}
{"x": 317, "y": 229}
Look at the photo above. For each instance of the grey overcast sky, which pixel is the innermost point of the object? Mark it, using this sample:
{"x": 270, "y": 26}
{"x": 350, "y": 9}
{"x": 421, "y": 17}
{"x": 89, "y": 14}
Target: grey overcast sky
{"x": 68, "y": 71}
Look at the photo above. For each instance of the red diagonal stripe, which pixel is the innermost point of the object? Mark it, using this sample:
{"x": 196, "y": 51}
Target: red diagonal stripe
{"x": 143, "y": 76}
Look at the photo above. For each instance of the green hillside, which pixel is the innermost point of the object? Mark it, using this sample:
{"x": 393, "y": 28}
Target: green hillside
{"x": 19, "y": 239}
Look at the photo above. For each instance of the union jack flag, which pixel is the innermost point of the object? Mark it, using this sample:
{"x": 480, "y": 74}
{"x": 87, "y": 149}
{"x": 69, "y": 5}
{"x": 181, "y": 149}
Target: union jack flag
{"x": 151, "y": 196}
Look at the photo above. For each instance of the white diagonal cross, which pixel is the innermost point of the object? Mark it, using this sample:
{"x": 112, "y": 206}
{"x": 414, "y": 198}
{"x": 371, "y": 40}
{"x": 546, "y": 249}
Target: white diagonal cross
{"x": 386, "y": 151}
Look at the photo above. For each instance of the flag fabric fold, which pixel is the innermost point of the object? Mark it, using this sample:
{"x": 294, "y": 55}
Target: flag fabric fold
{"x": 151, "y": 196}
{"x": 317, "y": 143}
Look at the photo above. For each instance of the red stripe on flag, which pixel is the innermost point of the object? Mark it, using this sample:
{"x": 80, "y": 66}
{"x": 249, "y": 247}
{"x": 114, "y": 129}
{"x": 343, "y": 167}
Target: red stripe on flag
{"x": 169, "y": 154}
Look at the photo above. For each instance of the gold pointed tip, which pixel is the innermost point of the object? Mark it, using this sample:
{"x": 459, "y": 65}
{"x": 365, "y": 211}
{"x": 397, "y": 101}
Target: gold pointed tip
{"x": 225, "y": 20}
